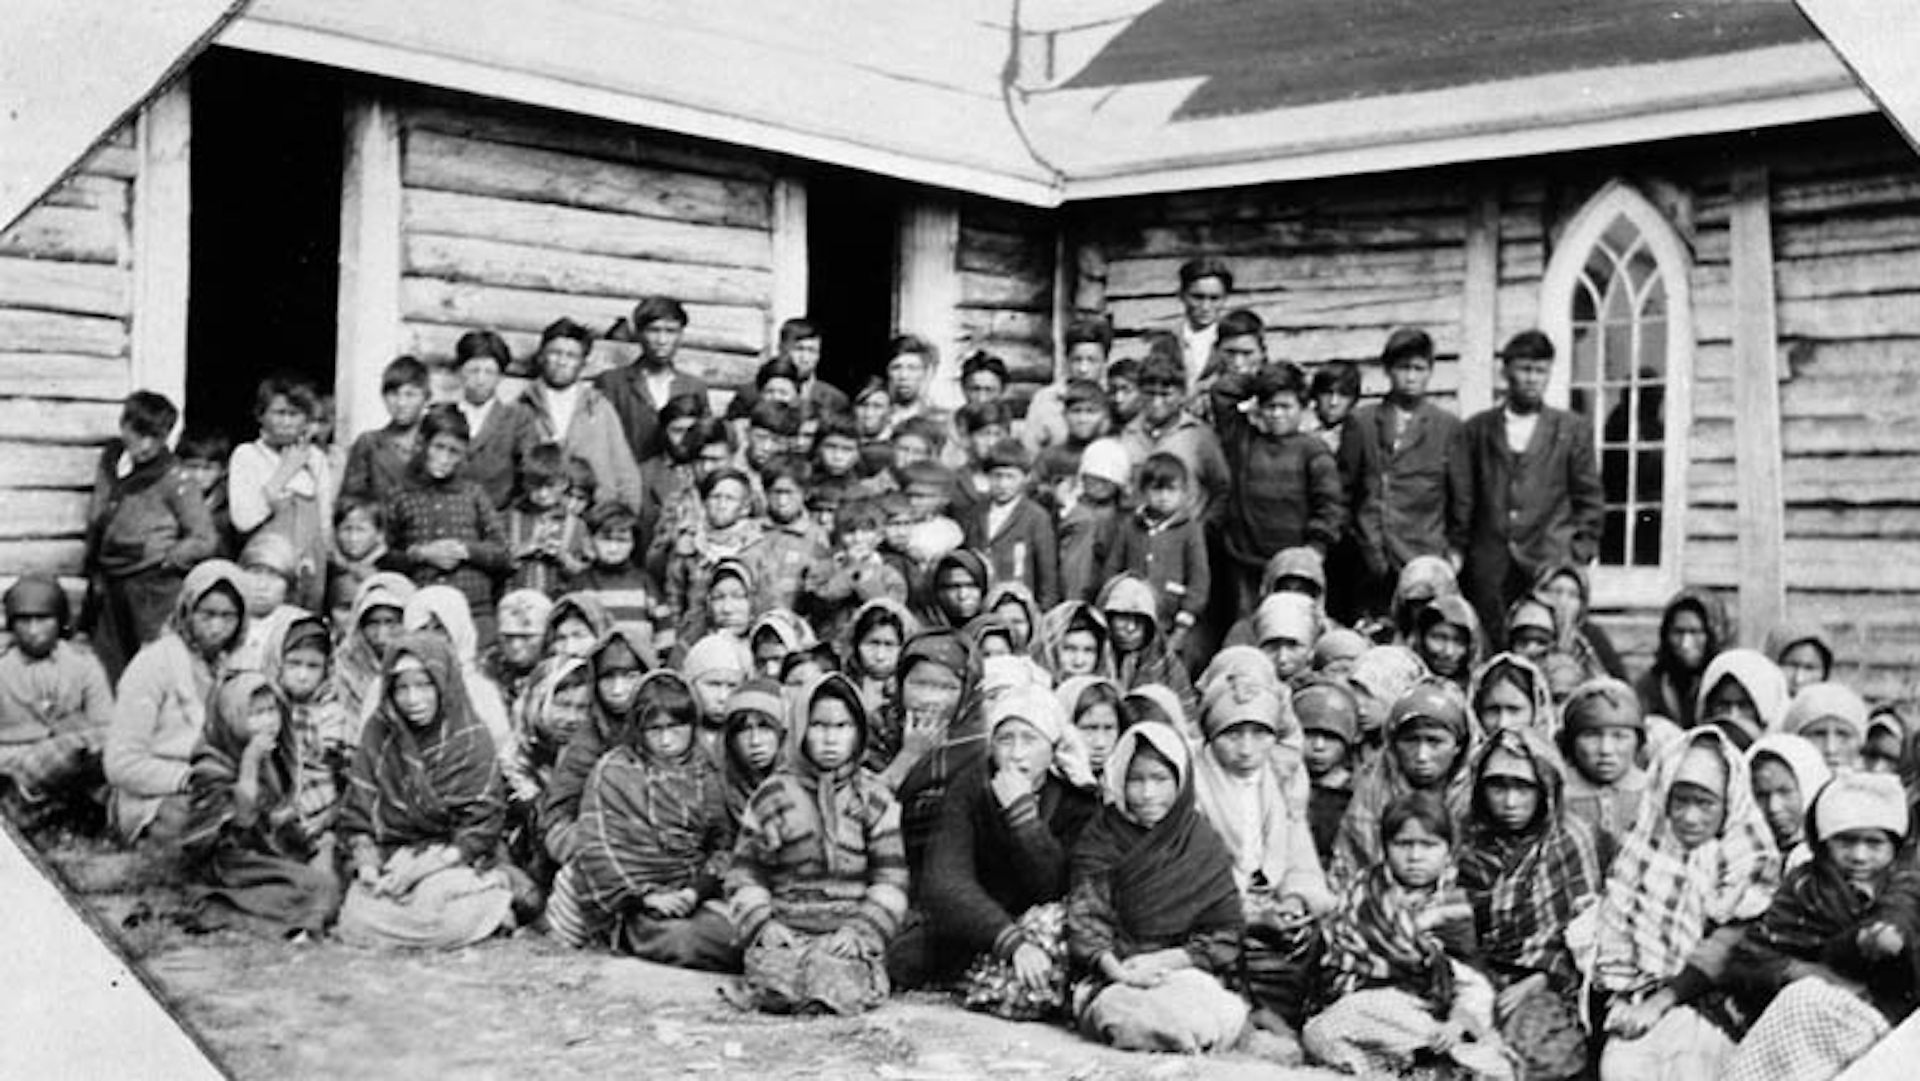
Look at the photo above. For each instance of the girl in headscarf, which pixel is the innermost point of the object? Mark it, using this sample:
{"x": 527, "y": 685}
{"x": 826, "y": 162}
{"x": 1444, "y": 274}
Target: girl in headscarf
{"x": 818, "y": 886}
{"x": 776, "y": 635}
{"x": 716, "y": 666}
{"x": 1447, "y": 637}
{"x": 1834, "y": 963}
{"x": 558, "y": 704}
{"x": 443, "y": 610}
{"x": 1013, "y": 603}
{"x": 249, "y": 851}
{"x": 719, "y": 534}
{"x": 1889, "y": 749}
{"x": 997, "y": 868}
{"x": 722, "y": 605}
{"x": 1337, "y": 651}
{"x": 1399, "y": 958}
{"x": 1140, "y": 652}
{"x": 653, "y": 842}
{"x": 1380, "y": 677}
{"x": 1529, "y": 869}
{"x": 1744, "y": 695}
{"x": 1786, "y": 772}
{"x": 1092, "y": 706}
{"x": 296, "y": 656}
{"x": 377, "y": 610}
{"x": 1242, "y": 668}
{"x": 956, "y": 589}
{"x": 1509, "y": 691}
{"x": 1803, "y": 653}
{"x": 881, "y": 628}
{"x": 1699, "y": 865}
{"x": 1429, "y": 747}
{"x": 1604, "y": 739}
{"x": 1073, "y": 641}
{"x": 1286, "y": 626}
{"x": 936, "y": 733}
{"x": 1153, "y": 916}
{"x": 576, "y": 624}
{"x": 1254, "y": 793}
{"x": 162, "y": 703}
{"x": 756, "y": 737}
{"x": 1422, "y": 581}
{"x": 615, "y": 667}
{"x": 1569, "y": 595}
{"x": 1693, "y": 629}
{"x": 1833, "y": 718}
{"x": 425, "y": 812}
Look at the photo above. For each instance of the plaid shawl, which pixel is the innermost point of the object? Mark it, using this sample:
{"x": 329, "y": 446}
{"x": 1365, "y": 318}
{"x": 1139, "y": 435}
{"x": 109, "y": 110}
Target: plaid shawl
{"x": 1375, "y": 940}
{"x": 1527, "y": 887}
{"x": 437, "y": 784}
{"x": 1661, "y": 899}
{"x": 275, "y": 829}
{"x": 650, "y": 825}
{"x": 1378, "y": 783}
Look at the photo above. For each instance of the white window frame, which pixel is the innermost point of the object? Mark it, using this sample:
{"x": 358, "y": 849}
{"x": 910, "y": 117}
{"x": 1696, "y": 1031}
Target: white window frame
{"x": 1627, "y": 587}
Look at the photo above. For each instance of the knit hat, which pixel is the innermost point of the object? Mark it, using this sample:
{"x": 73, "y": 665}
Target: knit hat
{"x": 1387, "y": 672}
{"x": 1327, "y": 706}
{"x": 273, "y": 551}
{"x": 1338, "y": 644}
{"x": 1161, "y": 698}
{"x": 1703, "y": 766}
{"x": 1530, "y": 612}
{"x": 1602, "y": 703}
{"x": 1434, "y": 701}
{"x": 1128, "y": 594}
{"x": 1861, "y": 801}
{"x": 1238, "y": 664}
{"x": 717, "y": 652}
{"x": 37, "y": 595}
{"x": 524, "y": 611}
{"x": 1299, "y": 562}
{"x": 1257, "y": 705}
{"x": 758, "y": 695}
{"x": 1108, "y": 460}
{"x": 1007, "y": 454}
{"x": 1500, "y": 761}
{"x": 1287, "y": 615}
{"x": 1827, "y": 701}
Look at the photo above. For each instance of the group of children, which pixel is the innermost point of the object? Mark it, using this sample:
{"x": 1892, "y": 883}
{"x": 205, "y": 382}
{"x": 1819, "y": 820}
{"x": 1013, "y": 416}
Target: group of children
{"x": 845, "y": 695}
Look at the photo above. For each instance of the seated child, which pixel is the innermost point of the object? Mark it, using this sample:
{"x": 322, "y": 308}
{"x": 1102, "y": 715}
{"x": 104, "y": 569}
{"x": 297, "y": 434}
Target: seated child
{"x": 1154, "y": 920}
{"x": 1253, "y": 792}
{"x": 1074, "y": 641}
{"x": 55, "y": 708}
{"x": 1428, "y": 738}
{"x": 879, "y": 629}
{"x": 1446, "y": 635}
{"x": 997, "y": 869}
{"x": 547, "y": 543}
{"x": 1011, "y": 530}
{"x": 1531, "y": 629}
{"x": 1141, "y": 655}
{"x": 653, "y": 842}
{"x": 789, "y": 542}
{"x": 1336, "y": 652}
{"x": 956, "y": 588}
{"x": 1510, "y": 692}
{"x": 1400, "y": 954}
{"x": 1787, "y": 771}
{"x": 716, "y": 666}
{"x": 1090, "y": 510}
{"x": 296, "y": 660}
{"x": 614, "y": 668}
{"x": 1300, "y": 570}
{"x": 1329, "y": 720}
{"x": 556, "y": 706}
{"x": 621, "y": 586}
{"x": 1604, "y": 738}
{"x": 803, "y": 666}
{"x": 1529, "y": 869}
{"x": 378, "y": 608}
{"x": 1380, "y": 676}
{"x": 1092, "y": 705}
{"x": 1286, "y": 626}
{"x": 1163, "y": 542}
{"x": 856, "y": 574}
{"x": 1833, "y": 717}
{"x": 576, "y": 625}
{"x": 720, "y": 531}
{"x": 1830, "y": 968}
{"x": 1014, "y": 605}
{"x": 1565, "y": 589}
{"x": 359, "y": 544}
{"x": 1744, "y": 695}
{"x": 1698, "y": 865}
{"x": 510, "y": 662}
{"x": 775, "y": 635}
{"x": 818, "y": 885}
{"x": 755, "y": 738}
{"x": 254, "y": 856}
{"x": 269, "y": 565}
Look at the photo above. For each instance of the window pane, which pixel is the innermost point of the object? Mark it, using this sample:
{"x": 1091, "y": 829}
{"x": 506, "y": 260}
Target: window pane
{"x": 1584, "y": 349}
{"x": 1646, "y": 538}
{"x": 1613, "y": 536}
{"x": 1641, "y": 268}
{"x": 1621, "y": 235}
{"x": 1653, "y": 350}
{"x": 1654, "y": 303}
{"x": 1647, "y": 484}
{"x": 1618, "y": 346}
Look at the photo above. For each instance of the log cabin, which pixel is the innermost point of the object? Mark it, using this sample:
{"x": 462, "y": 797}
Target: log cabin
{"x": 1696, "y": 200}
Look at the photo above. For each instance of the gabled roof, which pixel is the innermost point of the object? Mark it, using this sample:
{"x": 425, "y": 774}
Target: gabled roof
{"x": 1044, "y": 101}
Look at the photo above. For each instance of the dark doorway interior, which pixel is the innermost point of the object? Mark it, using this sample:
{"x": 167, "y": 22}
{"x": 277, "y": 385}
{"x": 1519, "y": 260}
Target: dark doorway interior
{"x": 853, "y": 222}
{"x": 267, "y": 142}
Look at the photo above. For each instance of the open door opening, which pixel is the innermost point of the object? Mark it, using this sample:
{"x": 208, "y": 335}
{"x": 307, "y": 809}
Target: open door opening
{"x": 853, "y": 225}
{"x": 267, "y": 145}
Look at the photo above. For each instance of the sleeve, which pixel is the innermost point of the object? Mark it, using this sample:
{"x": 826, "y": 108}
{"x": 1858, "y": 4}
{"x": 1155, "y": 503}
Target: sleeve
{"x": 625, "y": 481}
{"x": 1119, "y": 558}
{"x": 1707, "y": 966}
{"x": 749, "y": 895}
{"x": 1304, "y": 878}
{"x": 1091, "y": 925}
{"x": 129, "y": 761}
{"x": 197, "y": 539}
{"x": 96, "y": 697}
{"x": 1215, "y": 950}
{"x": 487, "y": 549}
{"x": 1216, "y": 475}
{"x": 1327, "y": 499}
{"x": 884, "y": 906}
{"x": 480, "y": 817}
{"x": 560, "y": 810}
{"x": 1461, "y": 490}
{"x": 1225, "y": 398}
{"x": 356, "y": 478}
{"x": 1756, "y": 970}
{"x": 248, "y": 471}
{"x": 1193, "y": 605}
{"x": 1584, "y": 493}
{"x": 1046, "y": 558}
{"x": 961, "y": 910}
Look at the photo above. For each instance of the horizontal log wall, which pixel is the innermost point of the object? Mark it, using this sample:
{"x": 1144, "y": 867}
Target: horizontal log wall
{"x": 514, "y": 218}
{"x": 1006, "y": 260}
{"x": 66, "y": 321}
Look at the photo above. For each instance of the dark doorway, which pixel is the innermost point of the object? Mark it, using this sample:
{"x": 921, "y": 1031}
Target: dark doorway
{"x": 853, "y": 224}
{"x": 267, "y": 143}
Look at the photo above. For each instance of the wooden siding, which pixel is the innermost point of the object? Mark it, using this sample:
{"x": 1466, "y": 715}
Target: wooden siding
{"x": 514, "y": 218}
{"x": 1006, "y": 261}
{"x": 66, "y": 322}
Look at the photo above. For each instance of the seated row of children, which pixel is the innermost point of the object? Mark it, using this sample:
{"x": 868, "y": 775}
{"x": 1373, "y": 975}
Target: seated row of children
{"x": 1380, "y": 856}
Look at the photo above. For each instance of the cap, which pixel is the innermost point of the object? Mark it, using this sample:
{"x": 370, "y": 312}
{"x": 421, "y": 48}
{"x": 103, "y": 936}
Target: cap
{"x": 524, "y": 611}
{"x": 1108, "y": 460}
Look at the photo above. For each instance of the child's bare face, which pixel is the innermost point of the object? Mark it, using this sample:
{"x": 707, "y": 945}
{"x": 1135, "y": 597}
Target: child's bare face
{"x": 405, "y": 403}
{"x": 203, "y": 472}
{"x": 1407, "y": 379}
{"x": 479, "y": 379}
{"x": 870, "y": 413}
{"x": 838, "y": 454}
{"x": 784, "y": 391}
{"x": 301, "y": 673}
{"x": 726, "y": 503}
{"x": 1164, "y": 500}
{"x": 900, "y": 530}
{"x": 356, "y": 535}
{"x": 786, "y": 500}
{"x": 983, "y": 387}
{"x": 908, "y": 449}
{"x": 444, "y": 455}
{"x": 35, "y": 635}
{"x": 1241, "y": 354}
{"x": 805, "y": 354}
{"x": 983, "y": 439}
{"x": 860, "y": 544}
{"x": 1280, "y": 414}
{"x": 1086, "y": 421}
{"x": 560, "y": 362}
{"x": 1604, "y": 755}
{"x": 1333, "y": 407}
{"x": 1086, "y": 360}
{"x": 1416, "y": 855}
{"x": 613, "y": 547}
{"x": 282, "y": 423}
{"x": 1125, "y": 395}
{"x": 1006, "y": 484}
{"x": 906, "y": 374}
{"x": 1324, "y": 752}
{"x": 1160, "y": 402}
{"x": 660, "y": 340}
{"x": 547, "y": 496}
{"x": 927, "y": 500}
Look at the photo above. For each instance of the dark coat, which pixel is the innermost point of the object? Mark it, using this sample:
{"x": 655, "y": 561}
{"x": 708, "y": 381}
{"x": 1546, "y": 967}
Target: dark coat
{"x": 1512, "y": 514}
{"x": 1173, "y": 560}
{"x": 626, "y": 389}
{"x": 1024, "y": 550}
{"x": 497, "y": 450}
{"x": 1399, "y": 497}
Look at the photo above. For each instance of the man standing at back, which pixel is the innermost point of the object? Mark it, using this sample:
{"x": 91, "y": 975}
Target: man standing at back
{"x": 1525, "y": 487}
{"x": 1204, "y": 286}
{"x": 641, "y": 389}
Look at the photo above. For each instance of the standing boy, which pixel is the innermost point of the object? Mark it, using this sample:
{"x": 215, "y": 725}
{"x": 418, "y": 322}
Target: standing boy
{"x": 1165, "y": 425}
{"x": 1163, "y": 543}
{"x": 1394, "y": 458}
{"x": 1525, "y": 487}
{"x": 503, "y": 432}
{"x": 377, "y": 464}
{"x": 1204, "y": 287}
{"x": 640, "y": 390}
{"x": 1014, "y": 532}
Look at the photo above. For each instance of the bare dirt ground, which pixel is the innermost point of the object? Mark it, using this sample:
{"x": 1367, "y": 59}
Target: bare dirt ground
{"x": 523, "y": 1007}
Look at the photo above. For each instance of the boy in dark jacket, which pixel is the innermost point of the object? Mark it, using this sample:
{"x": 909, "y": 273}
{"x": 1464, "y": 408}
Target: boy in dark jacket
{"x": 1162, "y": 542}
{"x": 379, "y": 463}
{"x": 146, "y": 527}
{"x": 1014, "y": 532}
{"x": 1285, "y": 484}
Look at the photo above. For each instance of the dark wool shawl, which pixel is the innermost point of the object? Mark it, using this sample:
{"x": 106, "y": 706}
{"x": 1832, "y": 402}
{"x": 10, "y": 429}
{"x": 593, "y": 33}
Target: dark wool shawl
{"x": 275, "y": 829}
